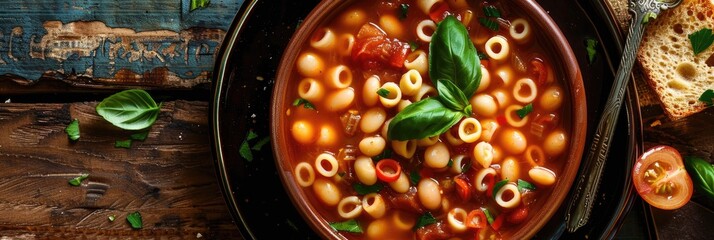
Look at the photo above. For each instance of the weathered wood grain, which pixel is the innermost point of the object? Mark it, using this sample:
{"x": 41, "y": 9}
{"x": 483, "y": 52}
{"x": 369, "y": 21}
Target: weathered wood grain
{"x": 169, "y": 177}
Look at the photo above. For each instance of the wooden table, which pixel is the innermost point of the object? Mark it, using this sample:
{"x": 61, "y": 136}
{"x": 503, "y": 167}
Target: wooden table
{"x": 59, "y": 58}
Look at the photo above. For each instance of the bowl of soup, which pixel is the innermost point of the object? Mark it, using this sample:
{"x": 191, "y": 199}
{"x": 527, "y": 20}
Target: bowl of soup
{"x": 428, "y": 119}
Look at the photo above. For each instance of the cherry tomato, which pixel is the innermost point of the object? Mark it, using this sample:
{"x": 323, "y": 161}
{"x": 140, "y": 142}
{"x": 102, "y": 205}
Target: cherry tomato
{"x": 476, "y": 219}
{"x": 462, "y": 188}
{"x": 388, "y": 170}
{"x": 660, "y": 178}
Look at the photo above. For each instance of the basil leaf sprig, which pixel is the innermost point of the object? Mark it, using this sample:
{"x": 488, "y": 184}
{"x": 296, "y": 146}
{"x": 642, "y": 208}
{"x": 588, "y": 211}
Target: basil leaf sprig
{"x": 702, "y": 172}
{"x": 130, "y": 109}
{"x": 455, "y": 71}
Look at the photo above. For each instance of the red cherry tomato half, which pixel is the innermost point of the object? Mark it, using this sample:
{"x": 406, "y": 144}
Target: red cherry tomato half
{"x": 388, "y": 170}
{"x": 660, "y": 178}
{"x": 476, "y": 219}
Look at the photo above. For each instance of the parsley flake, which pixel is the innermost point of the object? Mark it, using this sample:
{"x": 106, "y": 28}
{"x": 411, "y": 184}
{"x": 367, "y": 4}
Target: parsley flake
{"x": 362, "y": 189}
{"x": 591, "y": 48}
{"x": 259, "y": 144}
{"x": 424, "y": 220}
{"x": 489, "y": 216}
{"x": 78, "y": 180}
{"x": 347, "y": 226}
{"x": 525, "y": 110}
{"x": 72, "y": 130}
{"x": 134, "y": 220}
{"x": 450, "y": 163}
{"x": 383, "y": 92}
{"x": 123, "y": 144}
{"x": 707, "y": 97}
{"x": 244, "y": 149}
{"x": 701, "y": 40}
{"x": 488, "y": 23}
{"x": 403, "y": 10}
{"x": 491, "y": 11}
{"x": 498, "y": 186}
{"x": 386, "y": 154}
{"x": 413, "y": 45}
{"x": 523, "y": 184}
{"x": 414, "y": 177}
{"x": 481, "y": 55}
{"x": 141, "y": 136}
{"x": 305, "y": 103}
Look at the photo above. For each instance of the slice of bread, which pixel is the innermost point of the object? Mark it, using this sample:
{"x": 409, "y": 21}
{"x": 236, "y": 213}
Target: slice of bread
{"x": 672, "y": 70}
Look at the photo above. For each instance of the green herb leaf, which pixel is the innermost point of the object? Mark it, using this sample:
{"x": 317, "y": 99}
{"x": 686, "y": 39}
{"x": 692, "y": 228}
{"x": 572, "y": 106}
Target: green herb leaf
{"x": 451, "y": 96}
{"x": 78, "y": 180}
{"x": 489, "y": 217}
{"x": 422, "y": 119}
{"x": 403, "y": 10}
{"x": 383, "y": 92}
{"x": 130, "y": 109}
{"x": 260, "y": 143}
{"x": 141, "y": 136}
{"x": 649, "y": 16}
{"x": 488, "y": 23}
{"x": 466, "y": 167}
{"x": 347, "y": 226}
{"x": 72, "y": 130}
{"x": 414, "y": 177}
{"x": 305, "y": 103}
{"x": 245, "y": 152}
{"x": 703, "y": 174}
{"x": 491, "y": 11}
{"x": 707, "y": 97}
{"x": 591, "y": 48}
{"x": 413, "y": 45}
{"x": 525, "y": 110}
{"x": 362, "y": 189}
{"x": 701, "y": 40}
{"x": 425, "y": 219}
{"x": 134, "y": 220}
{"x": 481, "y": 55}
{"x": 450, "y": 163}
{"x": 387, "y": 153}
{"x": 123, "y": 144}
{"x": 523, "y": 184}
{"x": 196, "y": 4}
{"x": 112, "y": 218}
{"x": 498, "y": 186}
{"x": 452, "y": 56}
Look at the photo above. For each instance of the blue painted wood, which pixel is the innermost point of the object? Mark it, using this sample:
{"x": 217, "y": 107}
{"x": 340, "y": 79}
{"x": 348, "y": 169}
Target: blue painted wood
{"x": 142, "y": 42}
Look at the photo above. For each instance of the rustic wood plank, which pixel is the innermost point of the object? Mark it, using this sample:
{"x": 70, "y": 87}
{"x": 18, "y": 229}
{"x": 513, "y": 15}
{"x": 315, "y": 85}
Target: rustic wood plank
{"x": 169, "y": 178}
{"x": 108, "y": 44}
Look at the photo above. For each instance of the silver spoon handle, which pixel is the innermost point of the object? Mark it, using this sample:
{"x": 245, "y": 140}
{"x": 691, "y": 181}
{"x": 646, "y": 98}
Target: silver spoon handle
{"x": 586, "y": 189}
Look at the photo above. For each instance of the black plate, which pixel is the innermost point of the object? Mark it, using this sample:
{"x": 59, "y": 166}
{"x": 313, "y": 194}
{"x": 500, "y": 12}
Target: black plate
{"x": 243, "y": 82}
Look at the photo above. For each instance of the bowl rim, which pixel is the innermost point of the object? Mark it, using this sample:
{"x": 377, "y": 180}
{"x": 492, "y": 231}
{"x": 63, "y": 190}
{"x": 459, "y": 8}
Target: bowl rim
{"x": 560, "y": 51}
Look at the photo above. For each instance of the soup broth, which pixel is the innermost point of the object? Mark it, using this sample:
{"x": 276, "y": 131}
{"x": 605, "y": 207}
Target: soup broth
{"x": 481, "y": 177}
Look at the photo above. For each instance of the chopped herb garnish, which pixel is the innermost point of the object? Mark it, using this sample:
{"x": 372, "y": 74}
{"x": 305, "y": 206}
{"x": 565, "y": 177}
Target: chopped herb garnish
{"x": 122, "y": 143}
{"x": 591, "y": 48}
{"x": 383, "y": 92}
{"x": 707, "y": 97}
{"x": 244, "y": 149}
{"x": 134, "y": 220}
{"x": 347, "y": 226}
{"x": 414, "y": 177}
{"x": 141, "y": 136}
{"x": 649, "y": 16}
{"x": 525, "y": 110}
{"x": 491, "y": 11}
{"x": 450, "y": 163}
{"x": 488, "y": 23}
{"x": 196, "y": 4}
{"x": 387, "y": 153}
{"x": 701, "y": 40}
{"x": 260, "y": 143}
{"x": 498, "y": 186}
{"x": 489, "y": 217}
{"x": 72, "y": 130}
{"x": 481, "y": 55}
{"x": 251, "y": 135}
{"x": 403, "y": 10}
{"x": 466, "y": 167}
{"x": 305, "y": 103}
{"x": 78, "y": 180}
{"x": 362, "y": 189}
{"x": 112, "y": 217}
{"x": 523, "y": 184}
{"x": 413, "y": 45}
{"x": 426, "y": 219}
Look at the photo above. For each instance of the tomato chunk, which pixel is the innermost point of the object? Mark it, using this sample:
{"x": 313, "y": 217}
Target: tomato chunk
{"x": 660, "y": 178}
{"x": 373, "y": 48}
{"x": 462, "y": 188}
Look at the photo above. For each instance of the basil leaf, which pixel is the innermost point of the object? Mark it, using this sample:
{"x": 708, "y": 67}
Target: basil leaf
{"x": 78, "y": 180}
{"x": 387, "y": 153}
{"x": 72, "y": 130}
{"x": 139, "y": 136}
{"x": 701, "y": 40}
{"x": 426, "y": 219}
{"x": 414, "y": 177}
{"x": 525, "y": 110}
{"x": 122, "y": 143}
{"x": 383, "y": 92}
{"x": 347, "y": 226}
{"x": 491, "y": 11}
{"x": 130, "y": 109}
{"x": 523, "y": 184}
{"x": 451, "y": 96}
{"x": 305, "y": 103}
{"x": 422, "y": 119}
{"x": 453, "y": 56}
{"x": 259, "y": 144}
{"x": 362, "y": 189}
{"x": 134, "y": 220}
{"x": 703, "y": 174}
{"x": 488, "y": 23}
{"x": 403, "y": 10}
{"x": 498, "y": 186}
{"x": 707, "y": 97}
{"x": 244, "y": 151}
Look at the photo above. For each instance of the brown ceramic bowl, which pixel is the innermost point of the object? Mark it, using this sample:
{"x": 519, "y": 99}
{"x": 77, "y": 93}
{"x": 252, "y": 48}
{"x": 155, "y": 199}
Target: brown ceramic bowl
{"x": 552, "y": 40}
